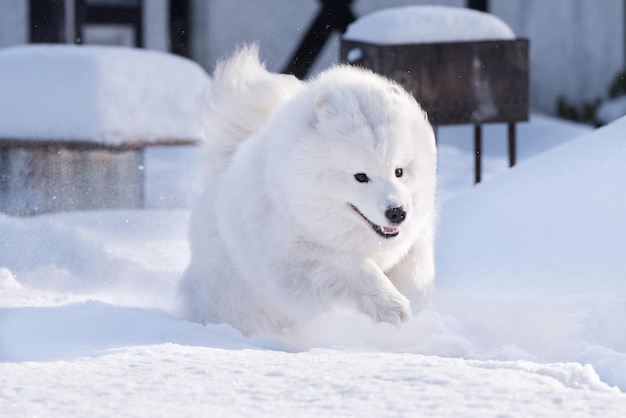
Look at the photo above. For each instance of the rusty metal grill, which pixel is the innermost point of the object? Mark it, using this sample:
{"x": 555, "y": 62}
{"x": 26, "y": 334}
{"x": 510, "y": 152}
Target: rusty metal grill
{"x": 50, "y": 178}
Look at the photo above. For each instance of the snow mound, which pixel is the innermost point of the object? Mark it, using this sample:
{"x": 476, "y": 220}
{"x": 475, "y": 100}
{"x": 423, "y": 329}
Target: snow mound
{"x": 612, "y": 110}
{"x": 94, "y": 328}
{"x": 121, "y": 256}
{"x": 108, "y": 95}
{"x": 571, "y": 375}
{"x": 534, "y": 258}
{"x": 427, "y": 24}
{"x": 184, "y": 380}
{"x": 557, "y": 218}
{"x": 7, "y": 280}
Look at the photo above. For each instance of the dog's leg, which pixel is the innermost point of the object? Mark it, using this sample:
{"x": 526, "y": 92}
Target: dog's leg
{"x": 364, "y": 283}
{"x": 413, "y": 276}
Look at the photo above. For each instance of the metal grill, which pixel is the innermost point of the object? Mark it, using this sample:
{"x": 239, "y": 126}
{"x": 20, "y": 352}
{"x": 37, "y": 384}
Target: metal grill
{"x": 52, "y": 178}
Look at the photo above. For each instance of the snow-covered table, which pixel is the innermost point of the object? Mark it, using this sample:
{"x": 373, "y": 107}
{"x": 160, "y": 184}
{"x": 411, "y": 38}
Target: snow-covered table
{"x": 463, "y": 66}
{"x": 76, "y": 119}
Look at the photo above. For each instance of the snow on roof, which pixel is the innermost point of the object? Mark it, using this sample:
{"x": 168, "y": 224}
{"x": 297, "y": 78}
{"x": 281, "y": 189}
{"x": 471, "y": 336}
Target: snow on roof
{"x": 106, "y": 95}
{"x": 427, "y": 24}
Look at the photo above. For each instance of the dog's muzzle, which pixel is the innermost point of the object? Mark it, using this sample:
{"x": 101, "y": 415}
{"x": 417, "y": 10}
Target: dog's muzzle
{"x": 395, "y": 215}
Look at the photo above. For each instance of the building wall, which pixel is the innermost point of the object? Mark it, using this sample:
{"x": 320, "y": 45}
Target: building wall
{"x": 576, "y": 46}
{"x": 156, "y": 24}
{"x": 13, "y": 18}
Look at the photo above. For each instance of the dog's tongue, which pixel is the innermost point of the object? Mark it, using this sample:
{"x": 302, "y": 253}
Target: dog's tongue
{"x": 388, "y": 230}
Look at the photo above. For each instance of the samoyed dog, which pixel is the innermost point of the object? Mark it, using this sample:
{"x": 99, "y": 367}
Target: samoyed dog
{"x": 320, "y": 196}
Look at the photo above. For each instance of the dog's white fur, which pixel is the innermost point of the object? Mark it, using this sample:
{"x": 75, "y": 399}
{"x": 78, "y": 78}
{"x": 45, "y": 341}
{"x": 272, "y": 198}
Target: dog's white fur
{"x": 275, "y": 237}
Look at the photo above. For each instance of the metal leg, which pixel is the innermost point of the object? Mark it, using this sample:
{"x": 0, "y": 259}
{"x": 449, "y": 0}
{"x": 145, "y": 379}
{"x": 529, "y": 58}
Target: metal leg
{"x": 478, "y": 139}
{"x": 512, "y": 145}
{"x": 334, "y": 15}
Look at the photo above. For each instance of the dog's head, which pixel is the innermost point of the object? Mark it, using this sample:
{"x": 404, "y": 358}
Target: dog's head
{"x": 362, "y": 171}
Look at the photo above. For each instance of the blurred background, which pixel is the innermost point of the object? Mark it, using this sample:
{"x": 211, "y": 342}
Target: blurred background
{"x": 578, "y": 47}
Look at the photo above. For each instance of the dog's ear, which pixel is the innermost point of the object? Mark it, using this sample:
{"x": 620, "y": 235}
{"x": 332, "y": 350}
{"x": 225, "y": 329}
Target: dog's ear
{"x": 396, "y": 89}
{"x": 399, "y": 91}
{"x": 324, "y": 106}
{"x": 327, "y": 106}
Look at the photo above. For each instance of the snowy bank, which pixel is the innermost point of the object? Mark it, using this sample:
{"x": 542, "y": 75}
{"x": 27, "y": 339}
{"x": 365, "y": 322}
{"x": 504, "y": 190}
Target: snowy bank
{"x": 180, "y": 380}
{"x": 101, "y": 94}
{"x": 427, "y": 24}
{"x": 557, "y": 218}
{"x": 534, "y": 258}
{"x": 612, "y": 110}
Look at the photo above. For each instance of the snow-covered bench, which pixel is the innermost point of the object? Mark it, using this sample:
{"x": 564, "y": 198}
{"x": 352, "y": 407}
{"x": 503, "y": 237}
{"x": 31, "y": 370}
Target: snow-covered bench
{"x": 463, "y": 66}
{"x": 75, "y": 120}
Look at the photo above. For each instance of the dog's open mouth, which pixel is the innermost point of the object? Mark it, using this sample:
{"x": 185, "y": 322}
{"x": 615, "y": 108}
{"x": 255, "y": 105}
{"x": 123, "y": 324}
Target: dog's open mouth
{"x": 383, "y": 231}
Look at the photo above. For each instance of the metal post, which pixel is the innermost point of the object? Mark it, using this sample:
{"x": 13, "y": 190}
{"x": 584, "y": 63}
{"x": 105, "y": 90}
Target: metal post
{"x": 334, "y": 15}
{"x": 47, "y": 21}
{"x": 478, "y": 142}
{"x": 512, "y": 145}
{"x": 179, "y": 27}
{"x": 481, "y": 5}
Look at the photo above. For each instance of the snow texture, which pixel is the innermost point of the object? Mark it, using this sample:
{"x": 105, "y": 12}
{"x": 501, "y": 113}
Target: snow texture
{"x": 527, "y": 318}
{"x": 107, "y": 95}
{"x": 427, "y": 24}
{"x": 612, "y": 110}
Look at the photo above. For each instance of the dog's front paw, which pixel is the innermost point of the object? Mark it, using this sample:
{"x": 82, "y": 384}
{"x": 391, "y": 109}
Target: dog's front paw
{"x": 386, "y": 307}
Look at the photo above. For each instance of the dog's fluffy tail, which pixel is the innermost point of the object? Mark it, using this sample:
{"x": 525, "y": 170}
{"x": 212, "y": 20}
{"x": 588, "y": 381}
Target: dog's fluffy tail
{"x": 242, "y": 97}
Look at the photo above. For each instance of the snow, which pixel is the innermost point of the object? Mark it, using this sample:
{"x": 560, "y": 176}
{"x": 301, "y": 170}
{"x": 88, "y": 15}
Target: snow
{"x": 555, "y": 225}
{"x": 611, "y": 110}
{"x": 527, "y": 319}
{"x": 107, "y": 95}
{"x": 194, "y": 381}
{"x": 543, "y": 225}
{"x": 427, "y": 24}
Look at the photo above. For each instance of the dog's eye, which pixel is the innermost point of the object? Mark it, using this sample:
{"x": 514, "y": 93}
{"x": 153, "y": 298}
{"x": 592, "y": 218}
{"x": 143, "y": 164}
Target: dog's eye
{"x": 361, "y": 177}
{"x": 399, "y": 172}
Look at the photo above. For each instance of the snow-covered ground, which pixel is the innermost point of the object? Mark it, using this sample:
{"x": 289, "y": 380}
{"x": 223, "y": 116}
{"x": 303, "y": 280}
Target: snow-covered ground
{"x": 527, "y": 319}
{"x": 612, "y": 110}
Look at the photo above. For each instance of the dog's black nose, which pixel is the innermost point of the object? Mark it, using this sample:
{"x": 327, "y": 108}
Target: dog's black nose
{"x": 396, "y": 215}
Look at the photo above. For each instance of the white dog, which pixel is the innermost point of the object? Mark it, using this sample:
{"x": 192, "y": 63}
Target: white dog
{"x": 320, "y": 194}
